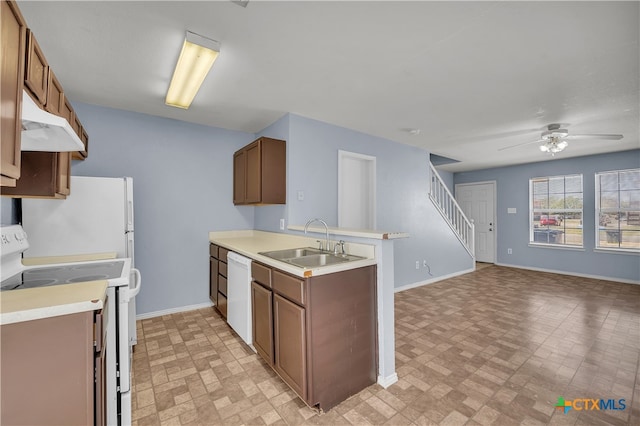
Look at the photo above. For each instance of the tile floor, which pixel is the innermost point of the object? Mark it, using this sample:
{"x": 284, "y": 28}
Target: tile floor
{"x": 496, "y": 346}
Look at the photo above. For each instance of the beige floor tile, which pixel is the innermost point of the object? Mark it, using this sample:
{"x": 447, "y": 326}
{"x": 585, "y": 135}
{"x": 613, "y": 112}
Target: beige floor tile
{"x": 494, "y": 347}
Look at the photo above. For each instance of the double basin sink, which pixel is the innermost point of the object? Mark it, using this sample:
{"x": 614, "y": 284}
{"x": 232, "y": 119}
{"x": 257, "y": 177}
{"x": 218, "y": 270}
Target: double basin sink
{"x": 308, "y": 257}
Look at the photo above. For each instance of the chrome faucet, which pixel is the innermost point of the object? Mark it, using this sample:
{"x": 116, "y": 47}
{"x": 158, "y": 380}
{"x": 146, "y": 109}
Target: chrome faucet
{"x": 326, "y": 229}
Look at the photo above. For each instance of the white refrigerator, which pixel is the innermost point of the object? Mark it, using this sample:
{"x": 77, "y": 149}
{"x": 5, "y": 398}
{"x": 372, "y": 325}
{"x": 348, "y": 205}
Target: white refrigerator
{"x": 97, "y": 217}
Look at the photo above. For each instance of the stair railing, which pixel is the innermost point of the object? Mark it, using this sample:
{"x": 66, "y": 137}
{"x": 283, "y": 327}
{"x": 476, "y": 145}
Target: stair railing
{"x": 446, "y": 204}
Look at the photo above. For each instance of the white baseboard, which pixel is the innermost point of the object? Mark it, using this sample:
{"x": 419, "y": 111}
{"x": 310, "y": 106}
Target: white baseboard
{"x": 574, "y": 274}
{"x": 173, "y": 311}
{"x": 433, "y": 280}
{"x": 385, "y": 382}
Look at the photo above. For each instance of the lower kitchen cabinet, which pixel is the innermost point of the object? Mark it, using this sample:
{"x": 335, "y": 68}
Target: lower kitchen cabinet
{"x": 322, "y": 330}
{"x": 290, "y": 334}
{"x": 213, "y": 273}
{"x": 218, "y": 278}
{"x": 262, "y": 321}
{"x": 53, "y": 370}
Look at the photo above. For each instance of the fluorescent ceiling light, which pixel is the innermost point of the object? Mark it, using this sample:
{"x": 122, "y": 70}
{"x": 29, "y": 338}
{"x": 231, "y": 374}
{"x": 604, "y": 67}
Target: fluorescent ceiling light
{"x": 195, "y": 61}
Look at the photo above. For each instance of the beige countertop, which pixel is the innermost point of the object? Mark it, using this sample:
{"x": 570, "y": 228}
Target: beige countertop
{"x": 37, "y": 303}
{"x": 360, "y": 233}
{"x": 48, "y": 260}
{"x": 250, "y": 243}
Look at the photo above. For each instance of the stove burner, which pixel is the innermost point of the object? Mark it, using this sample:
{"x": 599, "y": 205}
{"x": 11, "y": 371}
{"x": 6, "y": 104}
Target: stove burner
{"x": 63, "y": 274}
{"x": 88, "y": 278}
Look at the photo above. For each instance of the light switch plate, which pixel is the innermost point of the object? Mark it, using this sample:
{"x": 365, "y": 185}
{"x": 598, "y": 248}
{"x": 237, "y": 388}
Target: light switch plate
{"x": 511, "y": 210}
{"x": 300, "y": 195}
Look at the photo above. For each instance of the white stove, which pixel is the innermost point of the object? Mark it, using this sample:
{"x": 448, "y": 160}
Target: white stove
{"x": 14, "y": 276}
{"x": 67, "y": 273}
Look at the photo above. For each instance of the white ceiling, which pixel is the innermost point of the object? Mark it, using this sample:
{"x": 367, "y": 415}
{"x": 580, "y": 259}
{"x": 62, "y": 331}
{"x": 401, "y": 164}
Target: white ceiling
{"x": 473, "y": 76}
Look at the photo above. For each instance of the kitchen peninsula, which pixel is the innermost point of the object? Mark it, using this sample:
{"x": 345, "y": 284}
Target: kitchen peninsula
{"x": 320, "y": 328}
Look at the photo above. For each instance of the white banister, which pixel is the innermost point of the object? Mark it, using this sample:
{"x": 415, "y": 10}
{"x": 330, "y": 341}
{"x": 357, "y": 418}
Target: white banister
{"x": 451, "y": 211}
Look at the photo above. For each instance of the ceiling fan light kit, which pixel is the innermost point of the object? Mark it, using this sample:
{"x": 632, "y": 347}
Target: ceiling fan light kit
{"x": 554, "y": 145}
{"x": 553, "y": 139}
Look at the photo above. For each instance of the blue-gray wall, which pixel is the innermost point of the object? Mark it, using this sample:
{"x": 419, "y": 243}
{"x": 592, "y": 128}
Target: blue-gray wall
{"x": 183, "y": 189}
{"x": 513, "y": 229}
{"x": 8, "y": 210}
{"x": 447, "y": 178}
{"x": 402, "y": 186}
{"x": 182, "y": 176}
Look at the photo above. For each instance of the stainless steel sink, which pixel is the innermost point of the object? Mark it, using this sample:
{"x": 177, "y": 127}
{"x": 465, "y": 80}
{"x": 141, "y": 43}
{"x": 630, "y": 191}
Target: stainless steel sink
{"x": 308, "y": 257}
{"x": 291, "y": 253}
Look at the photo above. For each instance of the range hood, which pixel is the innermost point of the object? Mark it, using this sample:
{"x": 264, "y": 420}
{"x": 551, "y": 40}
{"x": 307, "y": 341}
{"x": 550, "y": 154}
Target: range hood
{"x": 43, "y": 131}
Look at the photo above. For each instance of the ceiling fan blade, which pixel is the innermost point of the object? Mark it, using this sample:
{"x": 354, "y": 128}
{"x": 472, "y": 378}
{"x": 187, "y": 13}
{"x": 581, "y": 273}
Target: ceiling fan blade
{"x": 520, "y": 144}
{"x": 607, "y": 137}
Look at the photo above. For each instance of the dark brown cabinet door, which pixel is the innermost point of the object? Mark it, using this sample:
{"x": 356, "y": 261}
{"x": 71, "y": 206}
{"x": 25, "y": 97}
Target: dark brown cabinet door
{"x": 290, "y": 337}
{"x": 49, "y": 366}
{"x": 253, "y": 173}
{"x": 239, "y": 179}
{"x": 262, "y": 321}
{"x": 55, "y": 96}
{"x": 63, "y": 186}
{"x": 260, "y": 173}
{"x": 213, "y": 280}
{"x": 37, "y": 70}
{"x": 43, "y": 175}
{"x": 14, "y": 32}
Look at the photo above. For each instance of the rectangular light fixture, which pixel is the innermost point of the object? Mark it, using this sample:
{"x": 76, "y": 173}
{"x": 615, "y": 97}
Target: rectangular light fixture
{"x": 196, "y": 58}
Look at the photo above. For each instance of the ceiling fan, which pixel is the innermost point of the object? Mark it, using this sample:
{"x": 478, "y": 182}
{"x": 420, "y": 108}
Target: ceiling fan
{"x": 554, "y": 139}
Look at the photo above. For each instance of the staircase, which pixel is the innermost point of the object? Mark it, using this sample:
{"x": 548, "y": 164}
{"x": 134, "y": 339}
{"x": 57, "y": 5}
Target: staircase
{"x": 451, "y": 211}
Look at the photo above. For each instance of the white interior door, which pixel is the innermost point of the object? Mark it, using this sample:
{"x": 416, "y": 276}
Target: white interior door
{"x": 477, "y": 201}
{"x": 356, "y": 190}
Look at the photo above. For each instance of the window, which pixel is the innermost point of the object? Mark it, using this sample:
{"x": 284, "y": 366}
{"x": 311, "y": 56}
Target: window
{"x": 556, "y": 210}
{"x": 618, "y": 209}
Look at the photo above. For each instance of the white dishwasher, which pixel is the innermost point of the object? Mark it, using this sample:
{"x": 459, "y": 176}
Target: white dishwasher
{"x": 239, "y": 296}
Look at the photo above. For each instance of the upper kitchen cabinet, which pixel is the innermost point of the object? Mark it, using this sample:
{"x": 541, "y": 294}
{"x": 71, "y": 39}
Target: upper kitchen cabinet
{"x": 43, "y": 175}
{"x": 36, "y": 78}
{"x": 260, "y": 172}
{"x": 55, "y": 95}
{"x": 37, "y": 172}
{"x": 14, "y": 32}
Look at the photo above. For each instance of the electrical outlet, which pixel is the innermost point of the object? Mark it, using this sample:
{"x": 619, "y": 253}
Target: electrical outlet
{"x": 424, "y": 263}
{"x": 282, "y": 224}
{"x": 417, "y": 264}
{"x": 509, "y": 251}
{"x": 300, "y": 195}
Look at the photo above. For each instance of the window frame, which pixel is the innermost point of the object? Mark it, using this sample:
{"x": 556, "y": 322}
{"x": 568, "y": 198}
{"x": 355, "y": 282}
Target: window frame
{"x": 598, "y": 210}
{"x": 549, "y": 211}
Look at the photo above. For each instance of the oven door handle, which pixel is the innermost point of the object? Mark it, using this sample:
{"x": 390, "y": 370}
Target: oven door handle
{"x": 132, "y": 292}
